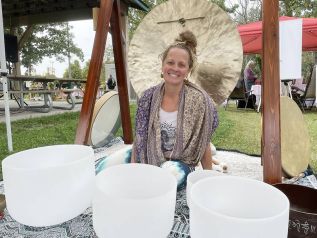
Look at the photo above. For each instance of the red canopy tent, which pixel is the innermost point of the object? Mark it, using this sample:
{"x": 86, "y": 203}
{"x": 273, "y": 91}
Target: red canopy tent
{"x": 251, "y": 35}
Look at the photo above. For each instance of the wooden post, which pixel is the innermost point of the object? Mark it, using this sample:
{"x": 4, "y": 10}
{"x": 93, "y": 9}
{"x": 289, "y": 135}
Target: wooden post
{"x": 271, "y": 132}
{"x": 121, "y": 73}
{"x": 83, "y": 128}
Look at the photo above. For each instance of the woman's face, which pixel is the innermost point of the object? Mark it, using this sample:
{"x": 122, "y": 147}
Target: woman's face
{"x": 175, "y": 67}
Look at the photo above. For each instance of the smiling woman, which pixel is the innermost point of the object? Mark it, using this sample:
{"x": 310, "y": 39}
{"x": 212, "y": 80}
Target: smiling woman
{"x": 176, "y": 118}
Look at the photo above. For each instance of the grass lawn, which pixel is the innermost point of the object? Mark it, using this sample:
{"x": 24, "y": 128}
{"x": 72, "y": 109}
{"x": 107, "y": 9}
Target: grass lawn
{"x": 238, "y": 130}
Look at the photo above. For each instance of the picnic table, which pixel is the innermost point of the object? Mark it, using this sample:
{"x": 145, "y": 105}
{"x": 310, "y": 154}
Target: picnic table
{"x": 44, "y": 89}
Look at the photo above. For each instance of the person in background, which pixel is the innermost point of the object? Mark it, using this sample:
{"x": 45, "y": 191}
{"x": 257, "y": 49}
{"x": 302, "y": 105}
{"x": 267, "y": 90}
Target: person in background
{"x": 249, "y": 76}
{"x": 111, "y": 83}
{"x": 175, "y": 119}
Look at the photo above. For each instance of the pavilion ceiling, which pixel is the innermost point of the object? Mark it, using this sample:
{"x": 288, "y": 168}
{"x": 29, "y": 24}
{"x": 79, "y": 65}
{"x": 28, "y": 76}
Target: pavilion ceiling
{"x": 25, "y": 12}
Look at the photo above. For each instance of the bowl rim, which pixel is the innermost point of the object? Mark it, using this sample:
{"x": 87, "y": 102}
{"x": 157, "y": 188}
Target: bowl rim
{"x": 171, "y": 189}
{"x": 212, "y": 173}
{"x": 228, "y": 177}
{"x": 7, "y": 160}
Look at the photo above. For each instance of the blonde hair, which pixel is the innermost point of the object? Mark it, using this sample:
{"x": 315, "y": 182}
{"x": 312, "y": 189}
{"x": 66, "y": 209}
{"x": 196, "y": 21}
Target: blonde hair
{"x": 186, "y": 41}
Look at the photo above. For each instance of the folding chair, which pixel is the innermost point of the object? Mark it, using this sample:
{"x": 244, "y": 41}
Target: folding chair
{"x": 309, "y": 94}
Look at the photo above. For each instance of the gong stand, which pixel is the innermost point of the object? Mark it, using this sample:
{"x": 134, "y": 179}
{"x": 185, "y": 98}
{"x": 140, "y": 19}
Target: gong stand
{"x": 271, "y": 134}
{"x": 271, "y": 128}
{"x": 109, "y": 13}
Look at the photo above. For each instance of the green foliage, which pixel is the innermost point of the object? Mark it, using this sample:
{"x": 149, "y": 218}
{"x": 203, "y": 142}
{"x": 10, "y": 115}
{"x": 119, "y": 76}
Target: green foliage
{"x": 222, "y": 4}
{"x": 135, "y": 16}
{"x": 308, "y": 59}
{"x": 247, "y": 11}
{"x": 75, "y": 69}
{"x": 46, "y": 41}
{"x": 102, "y": 77}
{"x": 85, "y": 69}
{"x": 299, "y": 8}
{"x": 109, "y": 57}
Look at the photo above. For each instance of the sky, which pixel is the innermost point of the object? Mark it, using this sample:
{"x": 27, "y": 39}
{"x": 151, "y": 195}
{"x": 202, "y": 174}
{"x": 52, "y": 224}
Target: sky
{"x": 83, "y": 37}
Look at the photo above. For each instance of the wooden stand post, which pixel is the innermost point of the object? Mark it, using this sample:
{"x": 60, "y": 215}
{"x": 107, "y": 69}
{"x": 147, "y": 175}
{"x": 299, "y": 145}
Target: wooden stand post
{"x": 119, "y": 58}
{"x": 271, "y": 132}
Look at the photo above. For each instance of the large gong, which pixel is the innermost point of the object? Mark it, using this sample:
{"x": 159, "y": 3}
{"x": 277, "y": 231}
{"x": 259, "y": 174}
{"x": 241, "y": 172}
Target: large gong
{"x": 219, "y": 50}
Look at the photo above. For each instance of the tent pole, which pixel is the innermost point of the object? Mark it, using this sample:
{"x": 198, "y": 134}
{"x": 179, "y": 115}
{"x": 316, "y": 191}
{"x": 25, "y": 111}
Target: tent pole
{"x": 4, "y": 80}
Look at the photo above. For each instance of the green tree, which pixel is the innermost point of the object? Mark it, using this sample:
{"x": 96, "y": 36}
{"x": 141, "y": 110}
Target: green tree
{"x": 102, "y": 78}
{"x": 245, "y": 11}
{"x": 47, "y": 41}
{"x": 225, "y": 6}
{"x": 85, "y": 69}
{"x": 135, "y": 16}
{"x": 75, "y": 69}
{"x": 299, "y": 8}
{"x": 109, "y": 57}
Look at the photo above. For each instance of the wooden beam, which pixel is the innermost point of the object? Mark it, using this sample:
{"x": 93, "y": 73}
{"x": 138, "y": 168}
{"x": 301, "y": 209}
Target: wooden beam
{"x": 83, "y": 128}
{"x": 119, "y": 58}
{"x": 271, "y": 132}
{"x": 44, "y": 18}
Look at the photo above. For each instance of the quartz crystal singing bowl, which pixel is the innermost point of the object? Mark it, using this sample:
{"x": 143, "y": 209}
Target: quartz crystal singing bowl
{"x": 49, "y": 185}
{"x": 230, "y": 206}
{"x": 196, "y": 176}
{"x": 219, "y": 50}
{"x": 134, "y": 200}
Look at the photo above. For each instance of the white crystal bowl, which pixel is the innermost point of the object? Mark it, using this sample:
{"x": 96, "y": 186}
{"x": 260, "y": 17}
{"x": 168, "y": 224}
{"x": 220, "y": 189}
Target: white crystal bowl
{"x": 230, "y": 207}
{"x": 134, "y": 200}
{"x": 49, "y": 185}
{"x": 196, "y": 176}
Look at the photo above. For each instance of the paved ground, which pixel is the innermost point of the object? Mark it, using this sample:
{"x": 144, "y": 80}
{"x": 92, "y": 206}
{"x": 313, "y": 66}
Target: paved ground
{"x": 18, "y": 113}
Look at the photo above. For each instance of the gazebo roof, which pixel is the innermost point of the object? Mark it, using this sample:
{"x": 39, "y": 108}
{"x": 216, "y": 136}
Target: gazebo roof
{"x": 26, "y": 12}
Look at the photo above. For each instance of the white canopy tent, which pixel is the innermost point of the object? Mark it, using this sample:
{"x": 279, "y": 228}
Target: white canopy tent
{"x": 4, "y": 80}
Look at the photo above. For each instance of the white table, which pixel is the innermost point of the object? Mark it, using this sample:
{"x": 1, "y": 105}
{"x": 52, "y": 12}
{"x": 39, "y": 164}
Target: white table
{"x": 256, "y": 90}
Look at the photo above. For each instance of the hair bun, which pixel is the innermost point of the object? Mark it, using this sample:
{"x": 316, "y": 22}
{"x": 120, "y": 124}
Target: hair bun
{"x": 189, "y": 39}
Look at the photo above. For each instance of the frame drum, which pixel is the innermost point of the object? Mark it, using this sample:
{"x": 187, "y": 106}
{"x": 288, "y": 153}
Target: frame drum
{"x": 105, "y": 120}
{"x": 295, "y": 140}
